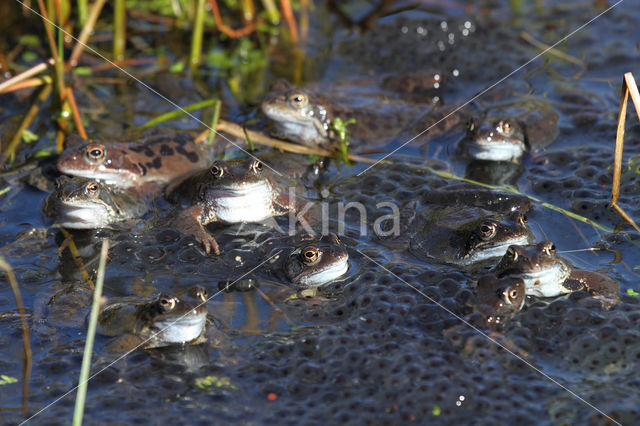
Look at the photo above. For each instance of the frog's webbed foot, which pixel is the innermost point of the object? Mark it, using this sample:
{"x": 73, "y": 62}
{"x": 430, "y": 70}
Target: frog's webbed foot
{"x": 189, "y": 222}
{"x": 208, "y": 241}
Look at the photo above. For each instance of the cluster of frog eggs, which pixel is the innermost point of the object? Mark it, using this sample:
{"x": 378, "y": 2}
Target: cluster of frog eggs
{"x": 450, "y": 46}
{"x": 581, "y": 181}
{"x": 381, "y": 359}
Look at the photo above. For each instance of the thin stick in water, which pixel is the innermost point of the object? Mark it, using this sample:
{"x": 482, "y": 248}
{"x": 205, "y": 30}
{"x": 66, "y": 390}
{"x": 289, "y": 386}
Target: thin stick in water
{"x": 26, "y": 341}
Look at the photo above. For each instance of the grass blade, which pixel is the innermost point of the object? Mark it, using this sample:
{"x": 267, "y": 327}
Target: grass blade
{"x": 178, "y": 112}
{"x": 215, "y": 117}
{"x": 83, "y": 8}
{"x": 196, "y": 39}
{"x": 78, "y": 411}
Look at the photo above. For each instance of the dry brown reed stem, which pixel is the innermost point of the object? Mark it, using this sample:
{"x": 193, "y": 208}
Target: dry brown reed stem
{"x": 629, "y": 88}
{"x": 252, "y": 314}
{"x": 260, "y": 138}
{"x": 29, "y": 83}
{"x": 274, "y": 306}
{"x": 48, "y": 26}
{"x": 86, "y": 32}
{"x": 26, "y": 341}
{"x": 76, "y": 113}
{"x": 26, "y": 122}
{"x": 287, "y": 11}
{"x": 240, "y": 32}
{"x": 24, "y": 75}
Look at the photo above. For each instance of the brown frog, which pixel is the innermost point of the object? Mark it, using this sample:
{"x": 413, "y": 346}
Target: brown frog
{"x": 499, "y": 299}
{"x": 317, "y": 263}
{"x": 505, "y": 134}
{"x": 162, "y": 321}
{"x": 465, "y": 236}
{"x": 305, "y": 116}
{"x": 545, "y": 274}
{"x": 156, "y": 161}
{"x": 235, "y": 191}
{"x": 82, "y": 203}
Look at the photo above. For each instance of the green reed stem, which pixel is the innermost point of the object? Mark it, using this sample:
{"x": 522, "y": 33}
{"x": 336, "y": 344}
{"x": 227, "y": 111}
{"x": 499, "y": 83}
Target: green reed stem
{"x": 178, "y": 112}
{"x": 119, "y": 29}
{"x": 252, "y": 147}
{"x": 83, "y": 12}
{"x": 448, "y": 175}
{"x": 78, "y": 411}
{"x": 196, "y": 38}
{"x": 273, "y": 15}
{"x": 60, "y": 35}
{"x": 215, "y": 117}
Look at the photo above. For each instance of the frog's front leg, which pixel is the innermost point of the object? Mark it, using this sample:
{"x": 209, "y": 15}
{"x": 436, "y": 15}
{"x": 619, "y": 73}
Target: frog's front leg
{"x": 192, "y": 220}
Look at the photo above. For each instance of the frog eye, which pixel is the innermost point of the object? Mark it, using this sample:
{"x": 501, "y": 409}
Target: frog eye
{"x": 217, "y": 171}
{"x": 487, "y": 230}
{"x": 505, "y": 127}
{"x": 310, "y": 255}
{"x": 202, "y": 294}
{"x": 167, "y": 303}
{"x": 92, "y": 188}
{"x": 95, "y": 152}
{"x": 549, "y": 249}
{"x": 510, "y": 295}
{"x": 256, "y": 166}
{"x": 471, "y": 125}
{"x": 512, "y": 254}
{"x": 519, "y": 218}
{"x": 298, "y": 100}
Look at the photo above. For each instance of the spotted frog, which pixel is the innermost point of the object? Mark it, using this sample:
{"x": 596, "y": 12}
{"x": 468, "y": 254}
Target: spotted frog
{"x": 235, "y": 191}
{"x": 82, "y": 203}
{"x": 162, "y": 321}
{"x": 545, "y": 274}
{"x": 156, "y": 161}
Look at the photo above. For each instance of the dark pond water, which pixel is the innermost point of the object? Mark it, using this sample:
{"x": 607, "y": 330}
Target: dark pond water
{"x": 375, "y": 350}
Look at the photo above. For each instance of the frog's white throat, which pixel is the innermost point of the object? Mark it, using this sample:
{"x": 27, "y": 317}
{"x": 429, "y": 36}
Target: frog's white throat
{"x": 252, "y": 202}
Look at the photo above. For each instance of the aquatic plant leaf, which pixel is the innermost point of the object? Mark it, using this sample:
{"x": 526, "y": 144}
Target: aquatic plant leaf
{"x": 5, "y": 380}
{"x": 28, "y": 136}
